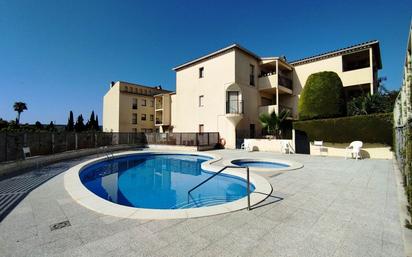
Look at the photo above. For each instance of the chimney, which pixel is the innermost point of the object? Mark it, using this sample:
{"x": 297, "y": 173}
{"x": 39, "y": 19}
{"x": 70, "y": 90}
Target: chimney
{"x": 112, "y": 84}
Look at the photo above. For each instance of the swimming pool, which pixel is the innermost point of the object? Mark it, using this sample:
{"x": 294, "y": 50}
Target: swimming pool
{"x": 161, "y": 181}
{"x": 260, "y": 164}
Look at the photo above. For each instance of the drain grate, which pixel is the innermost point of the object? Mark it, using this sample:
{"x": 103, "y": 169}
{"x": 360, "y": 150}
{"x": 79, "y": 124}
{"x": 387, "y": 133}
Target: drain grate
{"x": 60, "y": 225}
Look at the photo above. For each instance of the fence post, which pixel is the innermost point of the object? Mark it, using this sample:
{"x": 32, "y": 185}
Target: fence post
{"x": 5, "y": 150}
{"x": 75, "y": 141}
{"x": 25, "y": 139}
{"x": 95, "y": 139}
{"x": 52, "y": 142}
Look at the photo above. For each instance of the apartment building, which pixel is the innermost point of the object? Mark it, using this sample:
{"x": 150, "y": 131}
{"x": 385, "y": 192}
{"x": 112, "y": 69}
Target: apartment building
{"x": 225, "y": 91}
{"x": 129, "y": 107}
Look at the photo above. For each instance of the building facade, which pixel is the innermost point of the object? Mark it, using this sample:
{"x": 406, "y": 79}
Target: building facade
{"x": 129, "y": 107}
{"x": 225, "y": 91}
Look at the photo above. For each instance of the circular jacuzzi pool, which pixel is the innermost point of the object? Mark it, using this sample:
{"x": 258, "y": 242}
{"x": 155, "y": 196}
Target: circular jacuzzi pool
{"x": 265, "y": 166}
{"x": 260, "y": 164}
{"x": 156, "y": 185}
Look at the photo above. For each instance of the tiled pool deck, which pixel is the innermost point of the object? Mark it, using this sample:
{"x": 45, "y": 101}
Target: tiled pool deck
{"x": 331, "y": 207}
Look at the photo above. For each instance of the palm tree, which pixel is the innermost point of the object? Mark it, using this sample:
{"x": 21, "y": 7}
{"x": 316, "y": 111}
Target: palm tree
{"x": 271, "y": 122}
{"x": 19, "y": 107}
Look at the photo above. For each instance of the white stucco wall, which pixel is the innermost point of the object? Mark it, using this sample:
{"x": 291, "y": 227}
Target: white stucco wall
{"x": 111, "y": 109}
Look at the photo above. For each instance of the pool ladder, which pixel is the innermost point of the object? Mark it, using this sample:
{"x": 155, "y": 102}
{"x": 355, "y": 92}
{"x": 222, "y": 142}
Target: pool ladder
{"x": 220, "y": 171}
{"x": 109, "y": 154}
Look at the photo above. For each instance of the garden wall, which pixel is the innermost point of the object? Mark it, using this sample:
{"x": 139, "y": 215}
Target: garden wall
{"x": 373, "y": 128}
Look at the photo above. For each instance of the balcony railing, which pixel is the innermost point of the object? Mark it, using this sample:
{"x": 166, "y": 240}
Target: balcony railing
{"x": 282, "y": 107}
{"x": 265, "y": 74}
{"x": 234, "y": 106}
{"x": 159, "y": 105}
{"x": 286, "y": 82}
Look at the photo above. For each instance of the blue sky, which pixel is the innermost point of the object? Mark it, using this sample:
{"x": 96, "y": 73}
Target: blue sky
{"x": 59, "y": 56}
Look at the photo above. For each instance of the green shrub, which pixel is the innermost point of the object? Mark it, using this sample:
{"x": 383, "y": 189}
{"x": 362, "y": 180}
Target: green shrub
{"x": 374, "y": 128}
{"x": 322, "y": 97}
{"x": 368, "y": 104}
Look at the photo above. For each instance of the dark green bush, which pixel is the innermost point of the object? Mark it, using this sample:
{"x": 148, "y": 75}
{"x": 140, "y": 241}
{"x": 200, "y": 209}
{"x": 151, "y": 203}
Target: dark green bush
{"x": 374, "y": 128}
{"x": 322, "y": 97}
{"x": 368, "y": 104}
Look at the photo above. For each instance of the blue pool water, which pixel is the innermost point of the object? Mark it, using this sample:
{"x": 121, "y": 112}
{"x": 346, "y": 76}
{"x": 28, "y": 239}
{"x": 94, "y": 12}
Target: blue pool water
{"x": 259, "y": 164}
{"x": 161, "y": 181}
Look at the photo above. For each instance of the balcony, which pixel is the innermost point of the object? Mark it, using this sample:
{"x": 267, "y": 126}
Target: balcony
{"x": 357, "y": 77}
{"x": 234, "y": 111}
{"x": 268, "y": 109}
{"x": 271, "y": 108}
{"x": 271, "y": 80}
{"x": 285, "y": 82}
{"x": 234, "y": 107}
{"x": 268, "y": 81}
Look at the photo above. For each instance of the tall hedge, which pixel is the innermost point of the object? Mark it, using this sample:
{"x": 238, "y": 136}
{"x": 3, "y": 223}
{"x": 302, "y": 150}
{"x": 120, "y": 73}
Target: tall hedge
{"x": 322, "y": 97}
{"x": 373, "y": 128}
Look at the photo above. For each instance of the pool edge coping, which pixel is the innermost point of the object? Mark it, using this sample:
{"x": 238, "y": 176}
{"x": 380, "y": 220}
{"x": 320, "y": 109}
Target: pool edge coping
{"x": 88, "y": 199}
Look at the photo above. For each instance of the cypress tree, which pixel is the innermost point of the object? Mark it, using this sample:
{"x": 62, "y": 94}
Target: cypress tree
{"x": 70, "y": 122}
{"x": 79, "y": 127}
{"x": 96, "y": 127}
{"x": 91, "y": 124}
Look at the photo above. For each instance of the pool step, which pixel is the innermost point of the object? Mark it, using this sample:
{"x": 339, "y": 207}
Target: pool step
{"x": 204, "y": 202}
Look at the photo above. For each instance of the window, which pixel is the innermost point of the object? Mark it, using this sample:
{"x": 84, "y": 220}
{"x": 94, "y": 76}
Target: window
{"x": 143, "y": 102}
{"x": 355, "y": 61}
{"x": 143, "y": 116}
{"x": 151, "y": 117}
{"x": 233, "y": 103}
{"x": 201, "y": 100}
{"x": 201, "y": 72}
{"x": 252, "y": 75}
{"x": 134, "y": 130}
{"x": 134, "y": 104}
{"x": 151, "y": 103}
{"x": 134, "y": 118}
{"x": 201, "y": 128}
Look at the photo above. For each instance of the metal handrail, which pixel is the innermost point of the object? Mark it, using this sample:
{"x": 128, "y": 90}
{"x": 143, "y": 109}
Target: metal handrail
{"x": 109, "y": 154}
{"x": 220, "y": 171}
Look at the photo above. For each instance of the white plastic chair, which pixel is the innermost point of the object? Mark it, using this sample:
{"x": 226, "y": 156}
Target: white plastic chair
{"x": 26, "y": 152}
{"x": 355, "y": 150}
{"x": 319, "y": 144}
{"x": 245, "y": 146}
{"x": 286, "y": 148}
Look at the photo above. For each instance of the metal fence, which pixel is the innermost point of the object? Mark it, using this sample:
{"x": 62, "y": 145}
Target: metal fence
{"x": 203, "y": 141}
{"x": 43, "y": 143}
{"x": 402, "y": 147}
